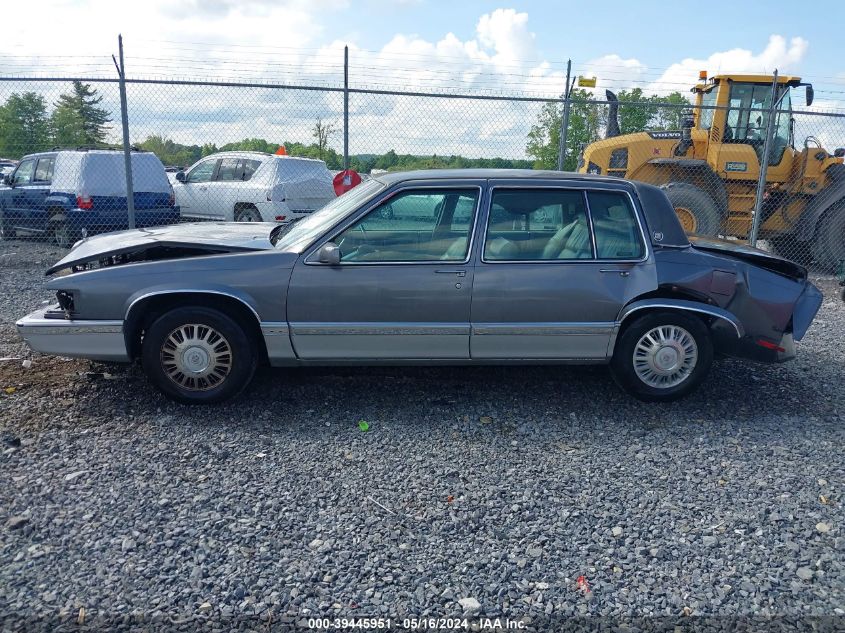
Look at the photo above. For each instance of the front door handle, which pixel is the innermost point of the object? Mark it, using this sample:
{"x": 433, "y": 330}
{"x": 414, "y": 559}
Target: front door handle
{"x": 459, "y": 273}
{"x": 621, "y": 273}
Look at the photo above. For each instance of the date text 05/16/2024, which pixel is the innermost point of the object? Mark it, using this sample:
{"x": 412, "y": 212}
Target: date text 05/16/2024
{"x": 415, "y": 624}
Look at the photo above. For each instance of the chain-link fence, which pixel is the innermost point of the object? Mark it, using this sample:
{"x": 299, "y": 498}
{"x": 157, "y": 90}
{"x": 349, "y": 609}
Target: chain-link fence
{"x": 738, "y": 159}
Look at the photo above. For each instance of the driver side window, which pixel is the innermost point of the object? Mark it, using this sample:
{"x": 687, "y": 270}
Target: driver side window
{"x": 413, "y": 226}
{"x": 24, "y": 172}
{"x": 202, "y": 172}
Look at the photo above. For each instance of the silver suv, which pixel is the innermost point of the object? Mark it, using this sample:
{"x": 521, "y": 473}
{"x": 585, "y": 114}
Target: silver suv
{"x": 253, "y": 187}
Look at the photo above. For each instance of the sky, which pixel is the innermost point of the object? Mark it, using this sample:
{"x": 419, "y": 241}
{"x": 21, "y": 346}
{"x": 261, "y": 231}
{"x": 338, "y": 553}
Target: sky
{"x": 426, "y": 45}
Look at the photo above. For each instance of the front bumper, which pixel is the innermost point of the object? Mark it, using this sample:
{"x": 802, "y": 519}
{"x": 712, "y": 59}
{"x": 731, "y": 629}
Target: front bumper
{"x": 96, "y": 340}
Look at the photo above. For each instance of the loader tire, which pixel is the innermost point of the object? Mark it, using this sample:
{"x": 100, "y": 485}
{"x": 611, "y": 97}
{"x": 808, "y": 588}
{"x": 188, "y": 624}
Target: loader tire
{"x": 695, "y": 208}
{"x": 829, "y": 246}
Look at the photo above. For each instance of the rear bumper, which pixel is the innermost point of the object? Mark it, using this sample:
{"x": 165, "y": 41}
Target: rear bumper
{"x": 119, "y": 220}
{"x": 97, "y": 340}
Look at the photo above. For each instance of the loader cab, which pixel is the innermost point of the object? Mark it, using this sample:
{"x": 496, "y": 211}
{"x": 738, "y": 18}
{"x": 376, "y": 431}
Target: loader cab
{"x": 733, "y": 113}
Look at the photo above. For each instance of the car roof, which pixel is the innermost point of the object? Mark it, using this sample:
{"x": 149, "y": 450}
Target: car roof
{"x": 393, "y": 177}
{"x": 265, "y": 155}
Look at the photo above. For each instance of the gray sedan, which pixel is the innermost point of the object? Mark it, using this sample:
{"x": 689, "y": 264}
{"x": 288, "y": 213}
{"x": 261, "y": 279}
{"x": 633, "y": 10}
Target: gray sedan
{"x": 434, "y": 267}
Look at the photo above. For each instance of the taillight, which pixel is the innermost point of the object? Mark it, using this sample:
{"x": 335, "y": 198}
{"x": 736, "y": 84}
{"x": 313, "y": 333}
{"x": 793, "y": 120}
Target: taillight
{"x": 770, "y": 345}
{"x": 84, "y": 202}
{"x": 280, "y": 218}
{"x": 171, "y": 201}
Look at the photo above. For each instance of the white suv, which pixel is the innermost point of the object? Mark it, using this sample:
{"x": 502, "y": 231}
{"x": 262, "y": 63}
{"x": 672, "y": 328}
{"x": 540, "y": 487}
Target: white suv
{"x": 253, "y": 187}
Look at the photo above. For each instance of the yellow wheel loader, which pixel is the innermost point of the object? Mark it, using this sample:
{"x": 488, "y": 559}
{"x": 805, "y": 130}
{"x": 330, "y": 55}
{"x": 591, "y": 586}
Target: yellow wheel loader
{"x": 709, "y": 169}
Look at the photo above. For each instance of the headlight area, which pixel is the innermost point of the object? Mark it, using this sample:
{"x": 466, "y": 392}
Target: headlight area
{"x": 66, "y": 308}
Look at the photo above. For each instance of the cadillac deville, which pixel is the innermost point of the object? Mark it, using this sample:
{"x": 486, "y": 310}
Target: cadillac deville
{"x": 430, "y": 267}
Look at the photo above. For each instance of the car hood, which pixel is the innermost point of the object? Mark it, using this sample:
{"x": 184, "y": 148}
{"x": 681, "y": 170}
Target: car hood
{"x": 749, "y": 254}
{"x": 169, "y": 242}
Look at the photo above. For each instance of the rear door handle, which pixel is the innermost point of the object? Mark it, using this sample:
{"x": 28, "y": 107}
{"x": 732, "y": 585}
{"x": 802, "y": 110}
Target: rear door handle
{"x": 459, "y": 273}
{"x": 621, "y": 273}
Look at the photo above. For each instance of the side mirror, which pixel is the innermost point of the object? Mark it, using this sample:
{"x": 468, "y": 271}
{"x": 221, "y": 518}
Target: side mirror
{"x": 7, "y": 179}
{"x": 329, "y": 254}
{"x": 809, "y": 94}
{"x": 181, "y": 177}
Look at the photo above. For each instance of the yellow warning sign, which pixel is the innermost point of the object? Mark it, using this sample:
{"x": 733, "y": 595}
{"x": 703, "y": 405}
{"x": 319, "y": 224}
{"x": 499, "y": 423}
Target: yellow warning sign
{"x": 586, "y": 82}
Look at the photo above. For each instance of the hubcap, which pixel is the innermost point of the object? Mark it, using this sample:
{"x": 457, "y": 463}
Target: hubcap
{"x": 687, "y": 218}
{"x": 665, "y": 356}
{"x": 196, "y": 357}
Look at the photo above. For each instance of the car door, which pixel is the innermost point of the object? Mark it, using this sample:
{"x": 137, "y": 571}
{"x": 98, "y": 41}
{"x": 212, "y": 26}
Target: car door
{"x": 224, "y": 190}
{"x": 402, "y": 289}
{"x": 192, "y": 194}
{"x": 21, "y": 181}
{"x": 556, "y": 266}
{"x": 37, "y": 192}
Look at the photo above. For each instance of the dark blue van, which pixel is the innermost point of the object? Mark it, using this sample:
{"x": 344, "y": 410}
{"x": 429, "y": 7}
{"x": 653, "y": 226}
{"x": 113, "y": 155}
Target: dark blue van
{"x": 65, "y": 194}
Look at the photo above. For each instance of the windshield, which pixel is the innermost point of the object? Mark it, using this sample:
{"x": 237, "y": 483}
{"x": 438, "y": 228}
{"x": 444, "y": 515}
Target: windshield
{"x": 302, "y": 233}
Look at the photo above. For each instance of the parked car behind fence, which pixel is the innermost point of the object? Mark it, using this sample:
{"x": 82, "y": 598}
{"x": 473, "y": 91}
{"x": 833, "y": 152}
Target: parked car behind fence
{"x": 63, "y": 194}
{"x": 253, "y": 187}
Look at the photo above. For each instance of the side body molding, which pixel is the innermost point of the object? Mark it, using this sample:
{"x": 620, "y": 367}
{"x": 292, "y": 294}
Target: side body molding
{"x": 674, "y": 304}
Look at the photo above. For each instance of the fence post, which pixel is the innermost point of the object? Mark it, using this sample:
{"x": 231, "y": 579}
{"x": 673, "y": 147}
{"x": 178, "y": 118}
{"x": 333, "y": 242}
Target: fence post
{"x": 564, "y": 122}
{"x": 764, "y": 164}
{"x": 345, "y": 107}
{"x": 124, "y": 120}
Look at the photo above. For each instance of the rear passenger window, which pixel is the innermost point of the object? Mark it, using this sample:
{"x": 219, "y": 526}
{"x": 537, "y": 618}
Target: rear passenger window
{"x": 229, "y": 169}
{"x": 537, "y": 224}
{"x": 44, "y": 170}
{"x": 615, "y": 225}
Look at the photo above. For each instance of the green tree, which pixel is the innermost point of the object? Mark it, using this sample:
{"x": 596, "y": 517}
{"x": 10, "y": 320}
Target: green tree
{"x": 78, "y": 118}
{"x": 668, "y": 117}
{"x": 24, "y": 126}
{"x": 585, "y": 121}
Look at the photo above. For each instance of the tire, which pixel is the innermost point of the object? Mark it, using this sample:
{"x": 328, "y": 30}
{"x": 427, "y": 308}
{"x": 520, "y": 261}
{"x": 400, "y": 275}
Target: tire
{"x": 829, "y": 246}
{"x": 247, "y": 214}
{"x": 6, "y": 232}
{"x": 62, "y": 234}
{"x": 639, "y": 372}
{"x": 213, "y": 333}
{"x": 696, "y": 210}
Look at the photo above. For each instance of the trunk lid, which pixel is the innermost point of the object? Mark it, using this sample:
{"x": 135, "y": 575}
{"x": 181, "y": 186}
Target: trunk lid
{"x": 751, "y": 255}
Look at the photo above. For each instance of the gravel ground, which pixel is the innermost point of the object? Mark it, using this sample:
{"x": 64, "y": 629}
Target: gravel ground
{"x": 535, "y": 493}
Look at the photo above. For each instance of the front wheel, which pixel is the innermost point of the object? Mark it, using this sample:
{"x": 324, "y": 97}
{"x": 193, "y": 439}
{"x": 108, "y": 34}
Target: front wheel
{"x": 198, "y": 355}
{"x": 694, "y": 207}
{"x": 247, "y": 214}
{"x": 662, "y": 356}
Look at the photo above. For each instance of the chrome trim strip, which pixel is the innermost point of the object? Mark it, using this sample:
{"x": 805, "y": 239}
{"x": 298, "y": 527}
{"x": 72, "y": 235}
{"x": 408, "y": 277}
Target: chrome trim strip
{"x": 543, "y": 329}
{"x": 189, "y": 291}
{"x": 34, "y": 325}
{"x": 275, "y": 328}
{"x": 347, "y": 223}
{"x": 387, "y": 328}
{"x": 689, "y": 306}
{"x": 585, "y": 189}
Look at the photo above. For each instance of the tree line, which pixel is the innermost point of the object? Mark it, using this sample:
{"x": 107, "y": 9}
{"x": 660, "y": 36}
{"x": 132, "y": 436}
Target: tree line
{"x": 76, "y": 119}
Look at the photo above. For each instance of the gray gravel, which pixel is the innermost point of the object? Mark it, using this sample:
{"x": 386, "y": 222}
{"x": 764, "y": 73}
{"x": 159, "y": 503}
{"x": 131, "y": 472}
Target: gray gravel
{"x": 475, "y": 490}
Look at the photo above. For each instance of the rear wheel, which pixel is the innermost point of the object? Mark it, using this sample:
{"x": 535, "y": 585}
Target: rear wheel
{"x": 6, "y": 232}
{"x": 662, "y": 356}
{"x": 829, "y": 245}
{"x": 247, "y": 214}
{"x": 694, "y": 207}
{"x": 62, "y": 234}
{"x": 198, "y": 355}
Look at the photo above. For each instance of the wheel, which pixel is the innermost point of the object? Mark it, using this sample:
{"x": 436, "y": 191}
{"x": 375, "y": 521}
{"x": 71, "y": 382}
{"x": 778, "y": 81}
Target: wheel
{"x": 247, "y": 214}
{"x": 662, "y": 356}
{"x": 62, "y": 234}
{"x": 198, "y": 355}
{"x": 6, "y": 232}
{"x": 695, "y": 208}
{"x": 829, "y": 246}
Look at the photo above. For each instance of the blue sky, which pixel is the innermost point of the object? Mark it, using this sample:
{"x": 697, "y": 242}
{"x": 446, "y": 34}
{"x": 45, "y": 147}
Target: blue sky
{"x": 514, "y": 47}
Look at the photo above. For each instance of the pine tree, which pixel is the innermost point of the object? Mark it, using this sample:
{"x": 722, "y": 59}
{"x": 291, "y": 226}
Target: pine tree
{"x": 78, "y": 119}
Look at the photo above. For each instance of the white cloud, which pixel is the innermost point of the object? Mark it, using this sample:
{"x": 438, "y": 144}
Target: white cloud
{"x": 283, "y": 42}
